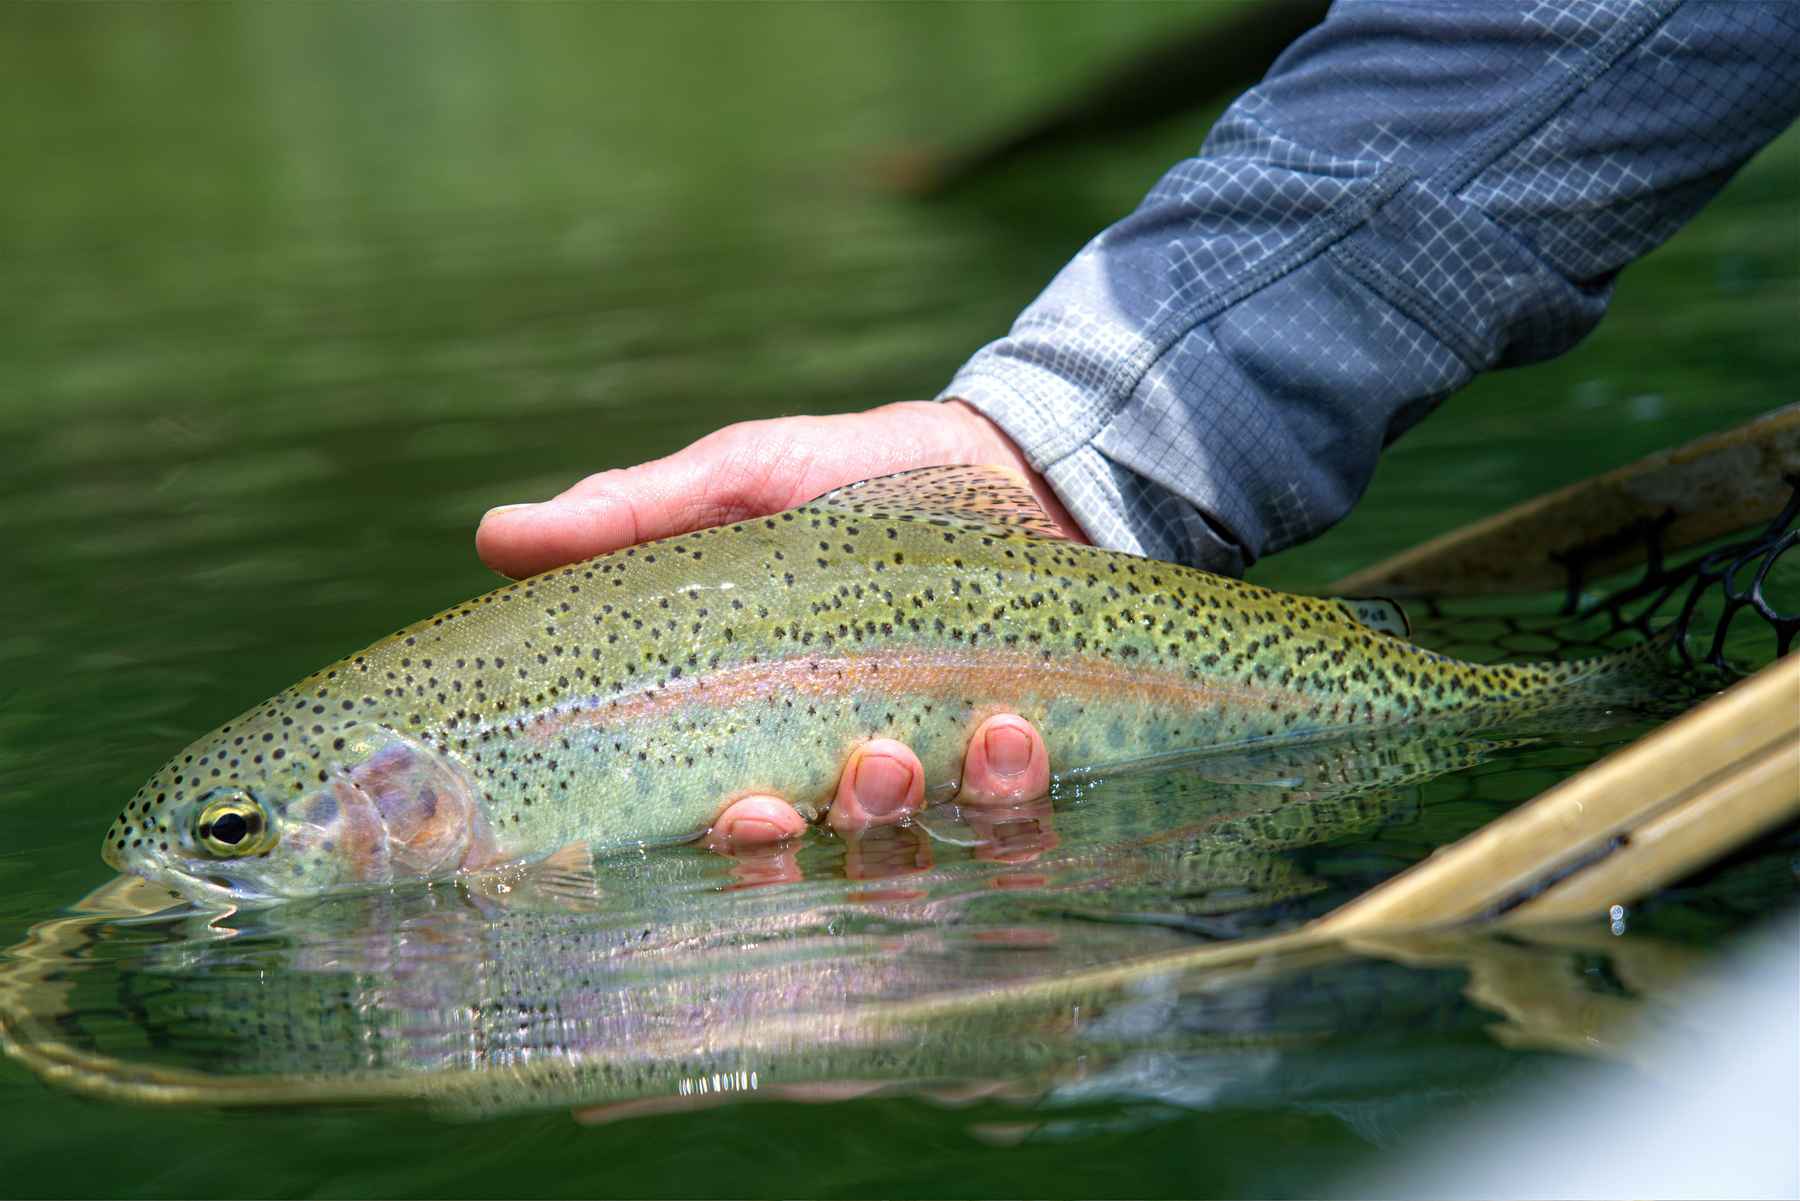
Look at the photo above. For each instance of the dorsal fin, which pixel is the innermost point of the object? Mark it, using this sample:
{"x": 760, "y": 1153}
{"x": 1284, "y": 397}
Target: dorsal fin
{"x": 1378, "y": 613}
{"x": 994, "y": 499}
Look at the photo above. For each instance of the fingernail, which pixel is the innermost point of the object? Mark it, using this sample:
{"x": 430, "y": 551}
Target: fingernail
{"x": 498, "y": 509}
{"x": 754, "y": 831}
{"x": 1008, "y": 750}
{"x": 882, "y": 785}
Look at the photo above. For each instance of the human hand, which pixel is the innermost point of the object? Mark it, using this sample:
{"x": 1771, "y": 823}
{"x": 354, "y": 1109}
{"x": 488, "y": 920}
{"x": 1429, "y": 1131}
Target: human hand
{"x": 756, "y": 468}
{"x": 747, "y": 470}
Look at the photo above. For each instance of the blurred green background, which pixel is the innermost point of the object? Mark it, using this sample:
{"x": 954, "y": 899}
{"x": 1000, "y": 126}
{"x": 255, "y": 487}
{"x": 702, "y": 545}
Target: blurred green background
{"x": 294, "y": 293}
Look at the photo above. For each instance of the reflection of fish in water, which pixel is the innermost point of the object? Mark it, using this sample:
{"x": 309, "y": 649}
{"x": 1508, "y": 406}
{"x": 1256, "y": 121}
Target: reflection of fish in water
{"x": 663, "y": 981}
{"x": 1259, "y": 803}
{"x": 625, "y": 699}
{"x": 667, "y": 988}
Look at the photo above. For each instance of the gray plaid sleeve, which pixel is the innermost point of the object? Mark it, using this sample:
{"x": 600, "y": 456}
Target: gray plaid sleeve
{"x": 1416, "y": 192}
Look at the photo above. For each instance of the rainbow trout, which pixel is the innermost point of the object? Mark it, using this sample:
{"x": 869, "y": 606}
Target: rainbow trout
{"x": 626, "y": 699}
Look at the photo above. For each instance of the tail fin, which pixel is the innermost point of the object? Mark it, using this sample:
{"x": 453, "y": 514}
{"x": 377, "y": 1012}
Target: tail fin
{"x": 1628, "y": 671}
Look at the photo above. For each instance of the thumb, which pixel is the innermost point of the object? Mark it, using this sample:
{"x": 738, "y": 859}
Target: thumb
{"x": 606, "y": 512}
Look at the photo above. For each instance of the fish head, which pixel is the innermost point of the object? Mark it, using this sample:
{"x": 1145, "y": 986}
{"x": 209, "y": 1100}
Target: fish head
{"x": 263, "y": 808}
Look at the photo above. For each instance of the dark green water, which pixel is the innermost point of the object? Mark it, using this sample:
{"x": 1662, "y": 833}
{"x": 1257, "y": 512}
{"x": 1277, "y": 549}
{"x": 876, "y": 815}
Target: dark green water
{"x": 295, "y": 294}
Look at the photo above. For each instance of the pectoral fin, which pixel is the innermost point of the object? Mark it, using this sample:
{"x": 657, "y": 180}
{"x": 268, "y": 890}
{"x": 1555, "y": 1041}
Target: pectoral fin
{"x": 565, "y": 880}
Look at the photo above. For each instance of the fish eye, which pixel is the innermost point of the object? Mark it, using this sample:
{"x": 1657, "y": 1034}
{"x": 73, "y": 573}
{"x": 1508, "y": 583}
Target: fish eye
{"x": 234, "y": 825}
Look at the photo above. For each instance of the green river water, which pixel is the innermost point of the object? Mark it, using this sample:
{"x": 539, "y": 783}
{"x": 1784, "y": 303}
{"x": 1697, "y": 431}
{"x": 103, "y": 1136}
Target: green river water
{"x": 293, "y": 294}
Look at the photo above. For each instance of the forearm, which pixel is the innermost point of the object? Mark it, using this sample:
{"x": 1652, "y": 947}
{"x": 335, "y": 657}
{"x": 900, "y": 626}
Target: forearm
{"x": 1415, "y": 194}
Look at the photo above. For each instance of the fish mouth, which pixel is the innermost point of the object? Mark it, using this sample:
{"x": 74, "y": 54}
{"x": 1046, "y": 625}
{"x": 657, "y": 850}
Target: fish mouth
{"x": 212, "y": 887}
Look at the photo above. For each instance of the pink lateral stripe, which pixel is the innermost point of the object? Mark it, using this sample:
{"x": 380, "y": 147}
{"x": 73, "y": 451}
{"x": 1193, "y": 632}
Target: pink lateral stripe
{"x": 945, "y": 675}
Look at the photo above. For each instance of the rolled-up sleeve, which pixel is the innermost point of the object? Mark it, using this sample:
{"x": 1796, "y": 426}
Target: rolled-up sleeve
{"x": 1417, "y": 192}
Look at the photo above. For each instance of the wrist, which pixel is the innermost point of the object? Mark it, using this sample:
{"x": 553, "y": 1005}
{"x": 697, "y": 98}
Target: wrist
{"x": 983, "y": 437}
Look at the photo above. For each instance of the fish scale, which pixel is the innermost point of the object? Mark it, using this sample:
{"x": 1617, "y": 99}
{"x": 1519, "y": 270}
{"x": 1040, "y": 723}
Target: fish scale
{"x": 628, "y": 698}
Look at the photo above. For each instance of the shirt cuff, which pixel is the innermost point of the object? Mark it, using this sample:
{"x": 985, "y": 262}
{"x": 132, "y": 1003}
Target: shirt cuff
{"x": 1115, "y": 507}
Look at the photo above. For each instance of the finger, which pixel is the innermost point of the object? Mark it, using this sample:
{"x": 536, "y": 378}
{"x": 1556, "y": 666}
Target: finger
{"x": 603, "y": 513}
{"x": 882, "y": 784}
{"x": 1006, "y": 763}
{"x": 741, "y": 471}
{"x": 745, "y": 470}
{"x": 754, "y": 821}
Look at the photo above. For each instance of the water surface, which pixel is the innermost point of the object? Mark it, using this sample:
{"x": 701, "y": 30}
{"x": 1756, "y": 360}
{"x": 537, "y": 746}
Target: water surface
{"x": 295, "y": 294}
